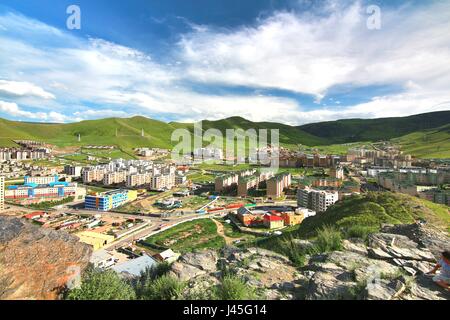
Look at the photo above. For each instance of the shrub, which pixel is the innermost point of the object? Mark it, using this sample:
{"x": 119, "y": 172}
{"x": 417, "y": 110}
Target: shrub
{"x": 328, "y": 239}
{"x": 234, "y": 288}
{"x": 102, "y": 285}
{"x": 162, "y": 288}
{"x": 361, "y": 232}
{"x": 293, "y": 251}
{"x": 148, "y": 276}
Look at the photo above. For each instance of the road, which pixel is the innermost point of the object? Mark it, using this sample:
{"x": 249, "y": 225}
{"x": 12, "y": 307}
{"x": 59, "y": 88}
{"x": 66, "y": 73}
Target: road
{"x": 154, "y": 222}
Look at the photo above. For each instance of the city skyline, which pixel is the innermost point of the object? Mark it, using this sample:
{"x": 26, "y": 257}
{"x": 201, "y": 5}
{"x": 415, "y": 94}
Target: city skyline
{"x": 293, "y": 62}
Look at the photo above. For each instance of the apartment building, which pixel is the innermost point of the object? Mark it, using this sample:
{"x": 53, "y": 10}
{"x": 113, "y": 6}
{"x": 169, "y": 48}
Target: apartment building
{"x": 94, "y": 175}
{"x": 247, "y": 183}
{"x": 326, "y": 182}
{"x": 40, "y": 179}
{"x": 337, "y": 172}
{"x": 52, "y": 190}
{"x": 225, "y": 182}
{"x": 137, "y": 179}
{"x": 74, "y": 171}
{"x": 111, "y": 178}
{"x": 317, "y": 200}
{"x": 277, "y": 184}
{"x": 109, "y": 200}
{"x": 2, "y": 193}
{"x": 160, "y": 181}
{"x": 8, "y": 154}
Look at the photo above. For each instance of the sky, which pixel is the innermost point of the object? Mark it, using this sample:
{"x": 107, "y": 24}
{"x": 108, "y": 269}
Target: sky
{"x": 292, "y": 61}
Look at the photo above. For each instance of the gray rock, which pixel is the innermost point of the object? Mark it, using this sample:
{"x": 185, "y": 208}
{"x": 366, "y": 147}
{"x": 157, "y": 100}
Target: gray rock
{"x": 383, "y": 289}
{"x": 204, "y": 260}
{"x": 352, "y": 246}
{"x": 184, "y": 271}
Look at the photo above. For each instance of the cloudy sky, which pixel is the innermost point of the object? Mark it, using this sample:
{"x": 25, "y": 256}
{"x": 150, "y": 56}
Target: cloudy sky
{"x": 293, "y": 61}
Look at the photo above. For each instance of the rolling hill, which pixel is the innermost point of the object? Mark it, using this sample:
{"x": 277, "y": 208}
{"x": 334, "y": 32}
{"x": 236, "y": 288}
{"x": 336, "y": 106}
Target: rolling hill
{"x": 424, "y": 135}
{"x": 351, "y": 130}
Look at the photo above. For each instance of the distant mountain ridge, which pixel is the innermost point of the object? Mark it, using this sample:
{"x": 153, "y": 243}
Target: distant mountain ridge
{"x": 126, "y": 132}
{"x": 350, "y": 130}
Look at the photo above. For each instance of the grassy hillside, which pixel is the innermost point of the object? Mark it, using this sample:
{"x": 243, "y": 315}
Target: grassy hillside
{"x": 431, "y": 143}
{"x": 99, "y": 132}
{"x": 357, "y": 216}
{"x": 371, "y": 210}
{"x": 422, "y": 135}
{"x": 352, "y": 130}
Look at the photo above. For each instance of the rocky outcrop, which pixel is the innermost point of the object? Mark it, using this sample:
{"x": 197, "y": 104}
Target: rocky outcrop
{"x": 36, "y": 263}
{"x": 391, "y": 265}
{"x": 271, "y": 273}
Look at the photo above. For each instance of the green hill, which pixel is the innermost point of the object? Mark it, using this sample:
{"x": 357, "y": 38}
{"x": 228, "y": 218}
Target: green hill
{"x": 422, "y": 135}
{"x": 352, "y": 130}
{"x": 427, "y": 144}
{"x": 366, "y": 213}
{"x": 125, "y": 133}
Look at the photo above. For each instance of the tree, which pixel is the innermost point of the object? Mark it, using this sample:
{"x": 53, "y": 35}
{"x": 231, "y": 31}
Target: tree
{"x": 102, "y": 285}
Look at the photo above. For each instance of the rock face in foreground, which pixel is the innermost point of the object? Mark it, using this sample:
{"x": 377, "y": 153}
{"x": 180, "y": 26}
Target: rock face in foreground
{"x": 391, "y": 265}
{"x": 36, "y": 263}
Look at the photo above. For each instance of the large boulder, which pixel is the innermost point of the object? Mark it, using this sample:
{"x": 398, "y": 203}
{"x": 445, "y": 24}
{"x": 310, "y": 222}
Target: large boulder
{"x": 37, "y": 263}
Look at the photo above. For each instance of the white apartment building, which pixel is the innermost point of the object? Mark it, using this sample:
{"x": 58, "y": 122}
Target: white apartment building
{"x": 40, "y": 179}
{"x": 163, "y": 181}
{"x": 317, "y": 200}
{"x": 114, "y": 178}
{"x": 2, "y": 193}
{"x": 74, "y": 171}
{"x": 134, "y": 180}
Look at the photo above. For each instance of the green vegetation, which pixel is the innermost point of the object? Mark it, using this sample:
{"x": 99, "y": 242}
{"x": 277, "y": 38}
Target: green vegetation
{"x": 200, "y": 177}
{"x": 49, "y": 204}
{"x": 188, "y": 236}
{"x": 234, "y": 288}
{"x": 328, "y": 239}
{"x": 367, "y": 212}
{"x": 427, "y": 144}
{"x": 102, "y": 285}
{"x": 163, "y": 287}
{"x": 422, "y": 135}
{"x": 356, "y": 216}
{"x": 354, "y": 130}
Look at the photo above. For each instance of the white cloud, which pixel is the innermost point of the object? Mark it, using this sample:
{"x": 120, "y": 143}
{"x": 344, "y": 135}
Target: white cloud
{"x": 20, "y": 88}
{"x": 304, "y": 53}
{"x": 311, "y": 54}
{"x": 14, "y": 110}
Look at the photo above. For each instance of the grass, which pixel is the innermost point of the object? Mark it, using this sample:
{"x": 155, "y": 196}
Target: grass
{"x": 355, "y": 216}
{"x": 189, "y": 236}
{"x": 235, "y": 288}
{"x": 425, "y": 135}
{"x": 427, "y": 144}
{"x": 49, "y": 204}
{"x": 201, "y": 177}
{"x": 373, "y": 209}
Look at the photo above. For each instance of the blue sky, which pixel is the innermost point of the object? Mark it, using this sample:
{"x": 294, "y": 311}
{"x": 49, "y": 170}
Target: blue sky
{"x": 293, "y": 61}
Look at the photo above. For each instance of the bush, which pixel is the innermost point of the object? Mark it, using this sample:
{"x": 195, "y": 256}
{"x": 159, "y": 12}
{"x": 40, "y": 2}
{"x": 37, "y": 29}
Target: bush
{"x": 293, "y": 251}
{"x": 361, "y": 232}
{"x": 148, "y": 276}
{"x": 234, "y": 288}
{"x": 162, "y": 288}
{"x": 102, "y": 285}
{"x": 328, "y": 239}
